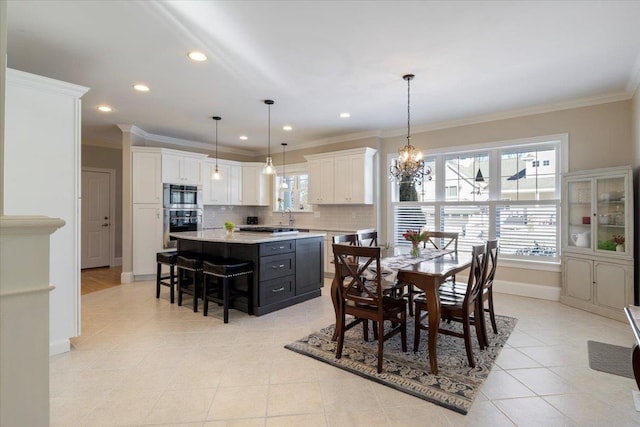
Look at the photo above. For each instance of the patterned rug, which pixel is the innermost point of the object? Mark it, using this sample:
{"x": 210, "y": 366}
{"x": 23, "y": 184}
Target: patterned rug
{"x": 454, "y": 387}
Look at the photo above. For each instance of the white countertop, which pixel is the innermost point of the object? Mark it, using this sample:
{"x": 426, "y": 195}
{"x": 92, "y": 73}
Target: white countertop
{"x": 245, "y": 237}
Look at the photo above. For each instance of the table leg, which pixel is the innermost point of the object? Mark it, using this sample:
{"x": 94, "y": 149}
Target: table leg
{"x": 635, "y": 357}
{"x": 433, "y": 303}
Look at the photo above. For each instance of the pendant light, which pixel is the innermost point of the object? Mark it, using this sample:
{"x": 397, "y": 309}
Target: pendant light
{"x": 268, "y": 168}
{"x": 409, "y": 167}
{"x": 216, "y": 174}
{"x": 284, "y": 184}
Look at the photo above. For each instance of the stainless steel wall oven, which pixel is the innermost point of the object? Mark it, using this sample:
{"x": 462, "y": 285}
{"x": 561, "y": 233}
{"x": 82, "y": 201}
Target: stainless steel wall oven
{"x": 182, "y": 211}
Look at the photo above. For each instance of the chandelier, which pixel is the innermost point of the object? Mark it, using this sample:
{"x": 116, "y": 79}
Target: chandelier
{"x": 409, "y": 167}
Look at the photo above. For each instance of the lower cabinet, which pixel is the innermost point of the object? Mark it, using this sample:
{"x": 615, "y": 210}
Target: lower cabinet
{"x": 602, "y": 287}
{"x": 147, "y": 231}
{"x": 309, "y": 265}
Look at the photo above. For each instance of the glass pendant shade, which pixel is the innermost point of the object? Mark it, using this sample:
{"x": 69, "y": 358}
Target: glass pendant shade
{"x": 268, "y": 168}
{"x": 409, "y": 167}
{"x": 284, "y": 184}
{"x": 216, "y": 175}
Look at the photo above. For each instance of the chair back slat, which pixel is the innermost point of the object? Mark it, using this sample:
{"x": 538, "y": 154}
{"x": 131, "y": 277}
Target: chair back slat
{"x": 351, "y": 239}
{"x": 492, "y": 264}
{"x": 476, "y": 274}
{"x": 349, "y": 274}
{"x": 369, "y": 238}
{"x": 443, "y": 240}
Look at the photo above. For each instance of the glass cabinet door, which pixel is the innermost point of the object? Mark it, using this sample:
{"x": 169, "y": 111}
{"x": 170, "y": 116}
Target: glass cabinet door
{"x": 611, "y": 224}
{"x": 580, "y": 213}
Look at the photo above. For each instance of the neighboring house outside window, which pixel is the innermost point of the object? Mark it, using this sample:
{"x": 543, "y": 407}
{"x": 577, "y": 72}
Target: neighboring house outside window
{"x": 509, "y": 192}
{"x": 296, "y": 196}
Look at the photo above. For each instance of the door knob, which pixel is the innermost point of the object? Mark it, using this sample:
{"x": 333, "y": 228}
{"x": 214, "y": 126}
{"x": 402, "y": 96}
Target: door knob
{"x": 106, "y": 217}
{"x": 105, "y": 225}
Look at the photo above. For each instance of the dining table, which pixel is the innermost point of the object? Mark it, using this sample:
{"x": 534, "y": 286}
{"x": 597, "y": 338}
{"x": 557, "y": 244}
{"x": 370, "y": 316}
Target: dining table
{"x": 434, "y": 264}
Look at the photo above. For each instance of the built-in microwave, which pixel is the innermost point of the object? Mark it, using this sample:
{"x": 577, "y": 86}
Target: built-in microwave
{"x": 182, "y": 196}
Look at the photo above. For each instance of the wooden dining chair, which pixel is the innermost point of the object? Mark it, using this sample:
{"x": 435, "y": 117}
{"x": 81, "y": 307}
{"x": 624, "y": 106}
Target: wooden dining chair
{"x": 486, "y": 302}
{"x": 438, "y": 240}
{"x": 351, "y": 239}
{"x": 365, "y": 301}
{"x": 369, "y": 238}
{"x": 455, "y": 307}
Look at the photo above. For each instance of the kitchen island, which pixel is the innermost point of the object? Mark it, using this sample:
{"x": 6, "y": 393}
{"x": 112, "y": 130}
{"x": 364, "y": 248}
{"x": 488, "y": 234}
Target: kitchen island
{"x": 287, "y": 267}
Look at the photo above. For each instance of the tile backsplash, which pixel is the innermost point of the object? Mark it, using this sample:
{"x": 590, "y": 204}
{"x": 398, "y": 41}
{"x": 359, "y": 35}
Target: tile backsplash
{"x": 324, "y": 217}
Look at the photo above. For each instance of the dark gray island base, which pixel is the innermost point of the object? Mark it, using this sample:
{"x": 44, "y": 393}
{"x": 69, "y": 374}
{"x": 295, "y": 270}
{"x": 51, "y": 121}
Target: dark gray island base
{"x": 286, "y": 269}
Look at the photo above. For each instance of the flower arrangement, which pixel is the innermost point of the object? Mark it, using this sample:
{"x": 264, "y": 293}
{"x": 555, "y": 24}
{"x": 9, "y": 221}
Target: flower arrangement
{"x": 618, "y": 239}
{"x": 229, "y": 226}
{"x": 415, "y": 237}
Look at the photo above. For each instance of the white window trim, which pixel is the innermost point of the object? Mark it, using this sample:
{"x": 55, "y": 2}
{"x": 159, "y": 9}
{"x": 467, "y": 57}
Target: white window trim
{"x": 292, "y": 169}
{"x": 562, "y": 158}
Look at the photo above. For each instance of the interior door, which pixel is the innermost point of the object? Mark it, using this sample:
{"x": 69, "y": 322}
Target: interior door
{"x": 96, "y": 221}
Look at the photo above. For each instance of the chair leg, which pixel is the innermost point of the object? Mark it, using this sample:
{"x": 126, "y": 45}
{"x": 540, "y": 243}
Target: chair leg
{"x": 225, "y": 298}
{"x": 492, "y": 313}
{"x": 381, "y": 344}
{"x": 467, "y": 341}
{"x": 340, "y": 336}
{"x": 410, "y": 302}
{"x": 481, "y": 328}
{"x": 159, "y": 271}
{"x": 172, "y": 282}
{"x": 180, "y": 275}
{"x": 205, "y": 300}
{"x": 195, "y": 291}
{"x": 403, "y": 331}
{"x": 416, "y": 328}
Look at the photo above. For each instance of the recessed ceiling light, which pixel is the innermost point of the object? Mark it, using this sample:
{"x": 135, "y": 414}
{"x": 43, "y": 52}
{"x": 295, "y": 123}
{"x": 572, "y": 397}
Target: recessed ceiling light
{"x": 287, "y": 128}
{"x": 345, "y": 115}
{"x": 141, "y": 87}
{"x": 244, "y": 137}
{"x": 197, "y": 56}
{"x": 104, "y": 108}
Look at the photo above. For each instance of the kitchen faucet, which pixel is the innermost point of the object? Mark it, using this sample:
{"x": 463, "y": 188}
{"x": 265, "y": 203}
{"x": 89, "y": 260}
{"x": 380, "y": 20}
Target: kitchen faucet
{"x": 291, "y": 219}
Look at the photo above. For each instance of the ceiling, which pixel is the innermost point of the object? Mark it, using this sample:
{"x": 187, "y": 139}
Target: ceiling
{"x": 317, "y": 59}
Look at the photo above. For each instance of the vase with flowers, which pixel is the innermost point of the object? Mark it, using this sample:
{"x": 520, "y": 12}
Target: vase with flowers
{"x": 415, "y": 237}
{"x": 618, "y": 239}
{"x": 229, "y": 226}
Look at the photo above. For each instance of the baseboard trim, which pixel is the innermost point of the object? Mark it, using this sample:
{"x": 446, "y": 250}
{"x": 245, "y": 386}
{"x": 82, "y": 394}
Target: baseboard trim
{"x": 527, "y": 290}
{"x": 126, "y": 277}
{"x": 60, "y": 346}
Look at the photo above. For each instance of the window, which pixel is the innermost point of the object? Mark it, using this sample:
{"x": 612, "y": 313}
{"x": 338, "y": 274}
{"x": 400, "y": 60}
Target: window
{"x": 508, "y": 192}
{"x": 295, "y": 197}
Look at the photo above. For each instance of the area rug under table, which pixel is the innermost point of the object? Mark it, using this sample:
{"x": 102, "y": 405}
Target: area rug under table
{"x": 454, "y": 387}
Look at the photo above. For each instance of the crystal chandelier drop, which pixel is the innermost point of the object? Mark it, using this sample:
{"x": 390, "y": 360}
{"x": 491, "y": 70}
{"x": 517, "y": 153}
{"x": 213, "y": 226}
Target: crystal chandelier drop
{"x": 268, "y": 168}
{"x": 216, "y": 174}
{"x": 409, "y": 167}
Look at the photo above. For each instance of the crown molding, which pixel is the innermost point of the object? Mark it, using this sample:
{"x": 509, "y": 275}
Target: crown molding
{"x": 328, "y": 141}
{"x": 103, "y": 144}
{"x": 46, "y": 84}
{"x": 511, "y": 114}
{"x": 182, "y": 142}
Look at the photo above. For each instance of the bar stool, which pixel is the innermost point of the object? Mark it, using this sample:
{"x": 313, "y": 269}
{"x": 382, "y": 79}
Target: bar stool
{"x": 223, "y": 270}
{"x": 189, "y": 278}
{"x": 170, "y": 259}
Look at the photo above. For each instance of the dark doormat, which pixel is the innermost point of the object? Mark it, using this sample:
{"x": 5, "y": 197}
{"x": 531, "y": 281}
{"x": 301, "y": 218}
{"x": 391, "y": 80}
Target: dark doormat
{"x": 609, "y": 358}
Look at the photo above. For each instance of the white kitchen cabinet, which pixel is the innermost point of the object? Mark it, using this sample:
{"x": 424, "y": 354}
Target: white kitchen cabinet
{"x": 342, "y": 177}
{"x": 146, "y": 176}
{"x": 255, "y": 185}
{"x": 215, "y": 192}
{"x": 147, "y": 241}
{"x": 235, "y": 184}
{"x": 321, "y": 181}
{"x": 597, "y": 272}
{"x": 355, "y": 175}
{"x": 181, "y": 169}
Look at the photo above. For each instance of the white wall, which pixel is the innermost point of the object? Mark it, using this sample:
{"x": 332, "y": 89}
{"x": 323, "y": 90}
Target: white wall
{"x": 42, "y": 177}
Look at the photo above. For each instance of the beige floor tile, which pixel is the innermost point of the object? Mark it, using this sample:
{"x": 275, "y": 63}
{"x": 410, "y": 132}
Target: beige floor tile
{"x": 415, "y": 415}
{"x": 481, "y": 414}
{"x": 245, "y": 373}
{"x": 542, "y": 381}
{"x": 123, "y": 409}
{"x": 511, "y": 358}
{"x": 308, "y": 420}
{"x": 531, "y": 411}
{"x": 357, "y": 418}
{"x": 181, "y": 406}
{"x": 247, "y": 422}
{"x": 239, "y": 402}
{"x": 558, "y": 355}
{"x": 299, "y": 398}
{"x": 501, "y": 385}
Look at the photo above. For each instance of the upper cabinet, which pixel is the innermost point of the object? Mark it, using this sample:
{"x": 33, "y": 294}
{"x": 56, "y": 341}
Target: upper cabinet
{"x": 146, "y": 176}
{"x": 181, "y": 168}
{"x": 599, "y": 213}
{"x": 255, "y": 185}
{"x": 226, "y": 190}
{"x": 342, "y": 177}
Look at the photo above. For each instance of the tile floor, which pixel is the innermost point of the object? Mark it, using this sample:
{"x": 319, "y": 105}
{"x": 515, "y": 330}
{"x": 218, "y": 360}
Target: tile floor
{"x": 142, "y": 361}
